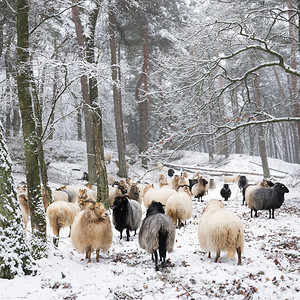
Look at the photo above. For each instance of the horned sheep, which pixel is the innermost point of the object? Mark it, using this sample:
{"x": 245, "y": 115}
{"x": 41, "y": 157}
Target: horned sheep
{"x": 92, "y": 230}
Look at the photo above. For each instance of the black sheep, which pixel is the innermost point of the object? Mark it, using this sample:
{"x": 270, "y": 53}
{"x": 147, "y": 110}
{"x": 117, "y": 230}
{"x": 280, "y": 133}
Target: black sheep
{"x": 267, "y": 198}
{"x": 157, "y": 232}
{"x": 127, "y": 214}
{"x": 225, "y": 192}
{"x": 242, "y": 182}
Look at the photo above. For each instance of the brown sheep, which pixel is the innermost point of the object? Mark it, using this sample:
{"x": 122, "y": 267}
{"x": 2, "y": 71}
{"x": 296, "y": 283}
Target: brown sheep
{"x": 92, "y": 230}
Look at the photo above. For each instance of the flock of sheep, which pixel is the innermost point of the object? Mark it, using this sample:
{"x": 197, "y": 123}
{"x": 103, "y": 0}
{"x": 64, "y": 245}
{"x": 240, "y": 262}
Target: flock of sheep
{"x": 168, "y": 206}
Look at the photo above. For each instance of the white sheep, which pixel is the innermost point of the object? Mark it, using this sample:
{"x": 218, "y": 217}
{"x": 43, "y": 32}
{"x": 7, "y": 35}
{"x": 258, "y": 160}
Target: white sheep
{"x": 157, "y": 195}
{"x": 179, "y": 207}
{"x": 219, "y": 230}
{"x": 60, "y": 215}
{"x": 92, "y": 230}
{"x": 231, "y": 178}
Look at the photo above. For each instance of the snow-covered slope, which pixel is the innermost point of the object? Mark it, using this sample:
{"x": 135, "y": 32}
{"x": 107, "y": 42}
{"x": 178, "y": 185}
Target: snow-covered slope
{"x": 270, "y": 262}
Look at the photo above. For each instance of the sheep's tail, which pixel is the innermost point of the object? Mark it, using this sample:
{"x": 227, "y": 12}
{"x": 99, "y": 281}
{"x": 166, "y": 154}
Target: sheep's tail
{"x": 231, "y": 243}
{"x": 162, "y": 241}
{"x": 235, "y": 240}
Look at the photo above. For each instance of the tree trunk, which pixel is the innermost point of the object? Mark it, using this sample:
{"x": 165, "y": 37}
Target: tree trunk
{"x": 101, "y": 174}
{"x": 261, "y": 136}
{"x": 294, "y": 89}
{"x": 88, "y": 114}
{"x": 38, "y": 220}
{"x": 143, "y": 103}
{"x": 116, "y": 94}
{"x": 16, "y": 259}
{"x": 47, "y": 193}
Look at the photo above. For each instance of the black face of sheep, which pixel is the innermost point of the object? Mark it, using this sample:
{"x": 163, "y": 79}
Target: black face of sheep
{"x": 225, "y": 192}
{"x": 171, "y": 172}
{"x": 242, "y": 182}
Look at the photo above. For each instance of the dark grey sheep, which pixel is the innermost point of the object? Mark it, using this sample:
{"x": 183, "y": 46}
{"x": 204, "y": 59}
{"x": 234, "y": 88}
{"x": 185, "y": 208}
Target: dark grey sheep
{"x": 127, "y": 214}
{"x": 157, "y": 232}
{"x": 267, "y": 198}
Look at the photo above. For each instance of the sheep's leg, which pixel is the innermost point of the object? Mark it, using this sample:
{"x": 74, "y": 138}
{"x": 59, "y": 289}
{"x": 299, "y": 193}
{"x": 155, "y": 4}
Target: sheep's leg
{"x": 70, "y": 232}
{"x": 88, "y": 253}
{"x": 97, "y": 255}
{"x": 217, "y": 256}
{"x": 121, "y": 231}
{"x": 255, "y": 213}
{"x": 239, "y": 253}
{"x": 128, "y": 234}
{"x": 251, "y": 212}
{"x": 209, "y": 255}
{"x": 273, "y": 213}
{"x": 156, "y": 257}
{"x": 56, "y": 238}
{"x": 163, "y": 262}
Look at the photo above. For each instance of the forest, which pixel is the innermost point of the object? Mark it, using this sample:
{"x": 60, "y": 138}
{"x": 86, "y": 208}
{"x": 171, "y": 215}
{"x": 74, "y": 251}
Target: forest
{"x": 211, "y": 76}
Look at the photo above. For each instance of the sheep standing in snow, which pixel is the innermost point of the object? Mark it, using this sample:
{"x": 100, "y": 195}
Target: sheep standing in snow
{"x": 225, "y": 192}
{"x": 212, "y": 184}
{"x": 92, "y": 230}
{"x": 267, "y": 198}
{"x": 127, "y": 214}
{"x": 60, "y": 215}
{"x": 179, "y": 206}
{"x": 200, "y": 188}
{"x": 158, "y": 195}
{"x": 249, "y": 188}
{"x": 220, "y": 230}
{"x": 157, "y": 232}
{"x": 231, "y": 178}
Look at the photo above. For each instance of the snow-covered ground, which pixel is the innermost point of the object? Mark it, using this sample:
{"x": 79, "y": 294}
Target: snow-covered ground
{"x": 270, "y": 262}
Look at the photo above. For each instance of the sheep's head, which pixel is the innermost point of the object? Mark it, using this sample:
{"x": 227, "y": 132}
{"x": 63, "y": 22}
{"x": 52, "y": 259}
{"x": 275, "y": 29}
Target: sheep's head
{"x": 281, "y": 187}
{"x": 123, "y": 186}
{"x": 99, "y": 210}
{"x": 226, "y": 186}
{"x": 82, "y": 194}
{"x": 154, "y": 208}
{"x": 85, "y": 203}
{"x": 119, "y": 202}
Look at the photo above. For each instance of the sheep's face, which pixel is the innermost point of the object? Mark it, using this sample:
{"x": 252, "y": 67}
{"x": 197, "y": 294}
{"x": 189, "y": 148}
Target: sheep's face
{"x": 226, "y": 186}
{"x": 100, "y": 211}
{"x": 82, "y": 193}
{"x": 123, "y": 186}
{"x": 282, "y": 187}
